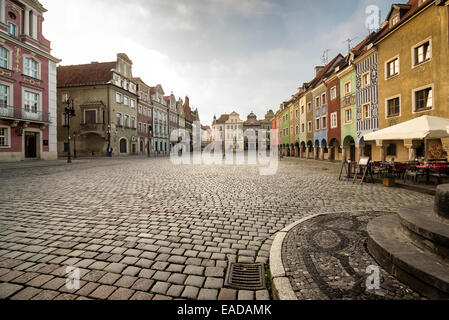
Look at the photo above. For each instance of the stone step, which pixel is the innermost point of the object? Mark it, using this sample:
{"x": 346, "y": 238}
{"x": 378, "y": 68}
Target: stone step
{"x": 425, "y": 229}
{"x": 423, "y": 271}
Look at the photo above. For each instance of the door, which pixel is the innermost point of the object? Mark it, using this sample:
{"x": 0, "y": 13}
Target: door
{"x": 123, "y": 147}
{"x": 30, "y": 145}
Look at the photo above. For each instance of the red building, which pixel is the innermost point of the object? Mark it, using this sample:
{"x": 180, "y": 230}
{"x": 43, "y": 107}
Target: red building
{"x": 27, "y": 84}
{"x": 334, "y": 113}
{"x": 144, "y": 117}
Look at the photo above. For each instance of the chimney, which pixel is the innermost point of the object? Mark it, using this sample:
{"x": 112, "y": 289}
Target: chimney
{"x": 317, "y": 70}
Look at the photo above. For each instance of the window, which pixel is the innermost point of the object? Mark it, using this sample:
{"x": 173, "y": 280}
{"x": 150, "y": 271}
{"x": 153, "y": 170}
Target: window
{"x": 392, "y": 68}
{"x": 296, "y": 113}
{"x": 395, "y": 20}
{"x": 423, "y": 99}
{"x": 297, "y": 129}
{"x": 90, "y": 116}
{"x": 4, "y": 94}
{"x": 133, "y": 122}
{"x": 12, "y": 29}
{"x": 317, "y": 124}
{"x": 302, "y": 128}
{"x": 348, "y": 116}
{"x": 365, "y": 80}
{"x": 309, "y": 126}
{"x": 145, "y": 128}
{"x": 133, "y": 104}
{"x": 422, "y": 53}
{"x": 334, "y": 120}
{"x": 126, "y": 101}
{"x": 4, "y": 58}
{"x": 118, "y": 118}
{"x": 391, "y": 150}
{"x": 348, "y": 87}
{"x": 126, "y": 121}
{"x": 31, "y": 102}
{"x": 393, "y": 107}
{"x": 118, "y": 98}
{"x": 324, "y": 122}
{"x": 323, "y": 99}
{"x": 31, "y": 68}
{"x": 317, "y": 102}
{"x": 366, "y": 111}
{"x": 4, "y": 137}
{"x": 333, "y": 93}
{"x": 302, "y": 109}
{"x": 139, "y": 128}
{"x": 309, "y": 107}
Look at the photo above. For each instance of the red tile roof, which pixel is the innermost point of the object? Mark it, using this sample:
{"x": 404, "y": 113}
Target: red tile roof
{"x": 85, "y": 74}
{"x": 223, "y": 118}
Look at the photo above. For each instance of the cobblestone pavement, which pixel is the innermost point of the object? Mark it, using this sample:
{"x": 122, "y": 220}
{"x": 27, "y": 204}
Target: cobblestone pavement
{"x": 326, "y": 258}
{"x": 145, "y": 229}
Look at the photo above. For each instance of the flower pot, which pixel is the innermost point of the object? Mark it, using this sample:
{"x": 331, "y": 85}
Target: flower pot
{"x": 388, "y": 182}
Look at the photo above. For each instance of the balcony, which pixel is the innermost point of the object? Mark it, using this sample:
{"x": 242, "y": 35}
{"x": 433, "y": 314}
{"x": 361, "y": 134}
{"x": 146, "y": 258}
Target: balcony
{"x": 95, "y": 128}
{"x": 17, "y": 113}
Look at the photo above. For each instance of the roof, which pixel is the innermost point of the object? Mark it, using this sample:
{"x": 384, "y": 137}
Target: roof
{"x": 223, "y": 118}
{"x": 85, "y": 74}
{"x": 407, "y": 10}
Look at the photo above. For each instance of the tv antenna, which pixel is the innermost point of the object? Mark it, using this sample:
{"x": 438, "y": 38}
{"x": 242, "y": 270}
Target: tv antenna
{"x": 349, "y": 41}
{"x": 325, "y": 57}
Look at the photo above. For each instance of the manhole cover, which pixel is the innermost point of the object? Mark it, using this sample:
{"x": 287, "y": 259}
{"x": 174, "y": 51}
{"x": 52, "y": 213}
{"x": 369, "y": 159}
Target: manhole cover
{"x": 248, "y": 276}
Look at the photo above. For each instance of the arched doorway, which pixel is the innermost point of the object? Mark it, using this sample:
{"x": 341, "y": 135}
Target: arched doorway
{"x": 141, "y": 146}
{"x": 123, "y": 145}
{"x": 303, "y": 149}
{"x": 298, "y": 153}
{"x": 324, "y": 147}
{"x": 349, "y": 145}
{"x": 317, "y": 150}
{"x": 334, "y": 147}
{"x": 309, "y": 149}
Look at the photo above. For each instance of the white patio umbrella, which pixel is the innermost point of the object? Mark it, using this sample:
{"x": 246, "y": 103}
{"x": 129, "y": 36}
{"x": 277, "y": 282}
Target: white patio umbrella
{"x": 425, "y": 127}
{"x": 422, "y": 128}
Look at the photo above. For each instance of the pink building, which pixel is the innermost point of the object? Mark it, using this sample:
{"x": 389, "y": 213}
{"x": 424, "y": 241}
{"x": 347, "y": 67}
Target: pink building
{"x": 27, "y": 84}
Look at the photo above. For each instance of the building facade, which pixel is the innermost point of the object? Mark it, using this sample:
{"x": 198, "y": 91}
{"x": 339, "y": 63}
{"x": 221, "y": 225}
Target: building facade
{"x": 105, "y": 101}
{"x": 144, "y": 118}
{"x": 173, "y": 116}
{"x": 413, "y": 65}
{"x": 348, "y": 111}
{"x": 234, "y": 139}
{"x": 28, "y": 112}
{"x": 160, "y": 121}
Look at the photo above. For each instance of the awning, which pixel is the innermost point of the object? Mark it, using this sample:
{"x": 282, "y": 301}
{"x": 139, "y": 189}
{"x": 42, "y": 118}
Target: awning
{"x": 425, "y": 127}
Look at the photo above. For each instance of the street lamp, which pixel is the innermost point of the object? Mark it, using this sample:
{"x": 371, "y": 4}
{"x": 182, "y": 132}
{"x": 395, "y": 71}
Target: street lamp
{"x": 150, "y": 134}
{"x": 69, "y": 112}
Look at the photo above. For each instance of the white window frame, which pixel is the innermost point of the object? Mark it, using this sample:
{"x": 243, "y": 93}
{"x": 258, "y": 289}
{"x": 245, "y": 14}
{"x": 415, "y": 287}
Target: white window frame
{"x": 15, "y": 29}
{"x": 8, "y": 137}
{"x": 118, "y": 94}
{"x": 8, "y": 56}
{"x": 323, "y": 123}
{"x": 333, "y": 93}
{"x": 368, "y": 75}
{"x": 121, "y": 118}
{"x": 429, "y": 86}
{"x": 323, "y": 98}
{"x": 334, "y": 119}
{"x": 387, "y": 67}
{"x": 132, "y": 103}
{"x": 400, "y": 106}
{"x": 10, "y": 98}
{"x": 126, "y": 100}
{"x": 39, "y": 95}
{"x": 350, "y": 87}
{"x": 317, "y": 121}
{"x": 364, "y": 117}
{"x": 345, "y": 120}
{"x": 25, "y": 69}
{"x": 429, "y": 39}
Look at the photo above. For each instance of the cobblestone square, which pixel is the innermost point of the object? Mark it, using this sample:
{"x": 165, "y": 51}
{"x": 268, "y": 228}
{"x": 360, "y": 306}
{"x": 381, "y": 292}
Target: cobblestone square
{"x": 145, "y": 229}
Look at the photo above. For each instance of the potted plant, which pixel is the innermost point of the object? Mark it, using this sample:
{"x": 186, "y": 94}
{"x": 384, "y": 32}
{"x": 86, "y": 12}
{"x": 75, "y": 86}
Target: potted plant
{"x": 388, "y": 179}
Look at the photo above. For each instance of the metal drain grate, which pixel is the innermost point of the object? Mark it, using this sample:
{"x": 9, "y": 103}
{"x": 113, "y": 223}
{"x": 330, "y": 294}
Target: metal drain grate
{"x": 248, "y": 276}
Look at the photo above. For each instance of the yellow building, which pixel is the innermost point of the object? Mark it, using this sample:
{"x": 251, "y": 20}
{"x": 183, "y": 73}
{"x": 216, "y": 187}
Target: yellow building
{"x": 413, "y": 64}
{"x": 234, "y": 139}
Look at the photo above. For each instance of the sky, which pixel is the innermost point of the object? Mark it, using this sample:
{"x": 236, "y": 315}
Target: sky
{"x": 226, "y": 55}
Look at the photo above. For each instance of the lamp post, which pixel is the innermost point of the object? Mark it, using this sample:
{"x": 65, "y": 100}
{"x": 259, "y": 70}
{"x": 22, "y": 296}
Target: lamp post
{"x": 150, "y": 134}
{"x": 74, "y": 144}
{"x": 69, "y": 112}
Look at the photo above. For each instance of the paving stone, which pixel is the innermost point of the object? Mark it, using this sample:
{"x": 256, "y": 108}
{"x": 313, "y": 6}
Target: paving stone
{"x": 54, "y": 284}
{"x": 195, "y": 281}
{"x": 245, "y": 295}
{"x": 125, "y": 281}
{"x": 66, "y": 296}
{"x": 262, "y": 295}
{"x": 190, "y": 293}
{"x": 161, "y": 266}
{"x": 161, "y": 276}
{"x": 175, "y": 291}
{"x": 194, "y": 270}
{"x": 121, "y": 294}
{"x": 143, "y": 285}
{"x": 87, "y": 289}
{"x": 8, "y": 289}
{"x": 115, "y": 267}
{"x": 214, "y": 272}
{"x": 26, "y": 294}
{"x": 94, "y": 275}
{"x": 213, "y": 283}
{"x": 175, "y": 268}
{"x": 138, "y": 295}
{"x": 46, "y": 295}
{"x": 227, "y": 294}
{"x": 102, "y": 292}
{"x": 208, "y": 294}
{"x": 145, "y": 273}
{"x": 39, "y": 280}
{"x": 131, "y": 271}
{"x": 109, "y": 278}
{"x": 160, "y": 287}
{"x": 177, "y": 278}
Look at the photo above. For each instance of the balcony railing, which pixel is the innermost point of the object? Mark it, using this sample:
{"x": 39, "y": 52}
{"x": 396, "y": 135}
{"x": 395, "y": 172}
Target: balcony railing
{"x": 17, "y": 113}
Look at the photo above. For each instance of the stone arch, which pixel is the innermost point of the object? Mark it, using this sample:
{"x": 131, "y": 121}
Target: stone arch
{"x": 123, "y": 145}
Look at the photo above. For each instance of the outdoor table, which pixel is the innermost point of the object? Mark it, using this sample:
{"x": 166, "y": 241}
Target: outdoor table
{"x": 428, "y": 168}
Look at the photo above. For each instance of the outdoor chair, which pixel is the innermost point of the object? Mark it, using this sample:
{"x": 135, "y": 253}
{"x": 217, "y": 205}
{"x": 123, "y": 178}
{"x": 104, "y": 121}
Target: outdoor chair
{"x": 413, "y": 172}
{"x": 442, "y": 173}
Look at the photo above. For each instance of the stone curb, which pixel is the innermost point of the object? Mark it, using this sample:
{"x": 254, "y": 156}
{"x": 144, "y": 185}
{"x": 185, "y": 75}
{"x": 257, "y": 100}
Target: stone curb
{"x": 282, "y": 289}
